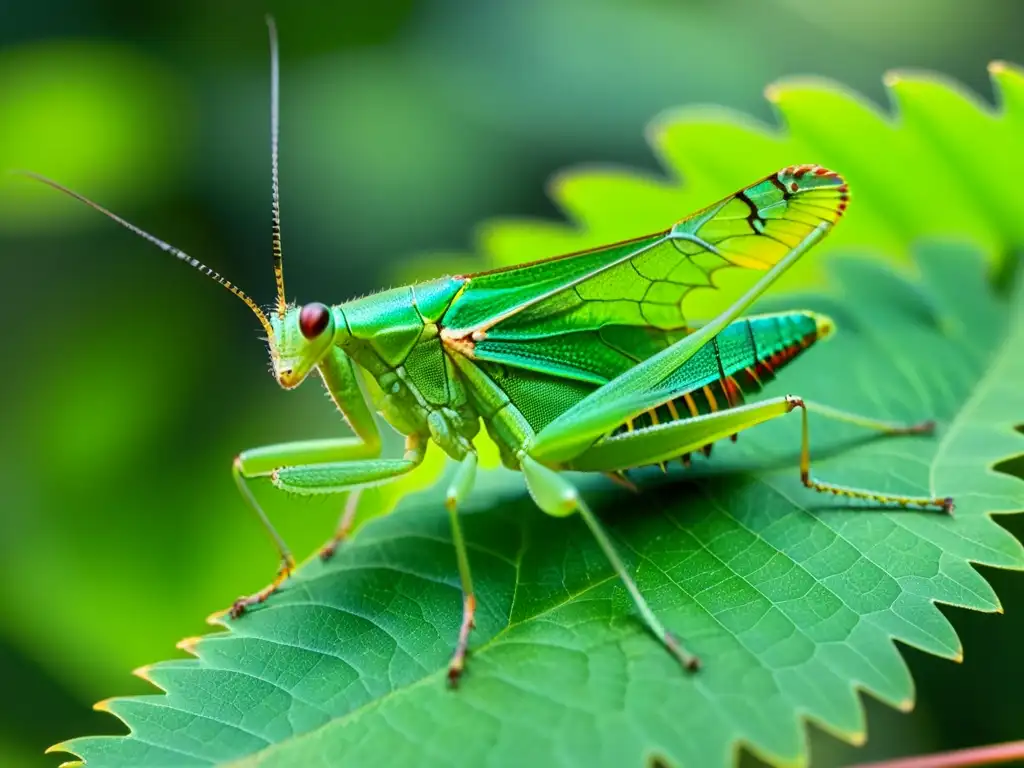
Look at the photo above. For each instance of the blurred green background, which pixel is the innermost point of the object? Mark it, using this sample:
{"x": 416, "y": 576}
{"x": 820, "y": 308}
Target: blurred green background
{"x": 130, "y": 382}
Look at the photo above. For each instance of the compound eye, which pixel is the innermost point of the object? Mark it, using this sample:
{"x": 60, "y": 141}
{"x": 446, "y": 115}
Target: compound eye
{"x": 313, "y": 319}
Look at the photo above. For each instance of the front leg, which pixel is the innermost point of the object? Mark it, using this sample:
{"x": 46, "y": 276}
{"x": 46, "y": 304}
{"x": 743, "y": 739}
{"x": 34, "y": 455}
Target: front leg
{"x": 462, "y": 485}
{"x": 305, "y": 478}
{"x": 340, "y": 380}
{"x": 338, "y": 477}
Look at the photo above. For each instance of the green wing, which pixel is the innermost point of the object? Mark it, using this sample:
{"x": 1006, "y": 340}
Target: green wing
{"x": 591, "y": 315}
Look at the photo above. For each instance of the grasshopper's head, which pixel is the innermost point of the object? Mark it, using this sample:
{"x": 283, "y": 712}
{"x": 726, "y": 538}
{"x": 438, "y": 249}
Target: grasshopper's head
{"x": 300, "y": 338}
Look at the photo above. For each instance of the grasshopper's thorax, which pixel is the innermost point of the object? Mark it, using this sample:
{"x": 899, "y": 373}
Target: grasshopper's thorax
{"x": 395, "y": 336}
{"x": 301, "y": 339}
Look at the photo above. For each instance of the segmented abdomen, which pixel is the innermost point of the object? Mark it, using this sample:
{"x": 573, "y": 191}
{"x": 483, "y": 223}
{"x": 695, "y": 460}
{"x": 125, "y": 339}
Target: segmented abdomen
{"x": 740, "y": 360}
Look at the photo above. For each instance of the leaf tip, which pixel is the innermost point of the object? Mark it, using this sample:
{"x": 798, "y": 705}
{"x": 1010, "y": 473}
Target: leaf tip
{"x": 64, "y": 747}
{"x": 773, "y": 92}
{"x": 892, "y": 78}
{"x": 857, "y": 738}
{"x": 1005, "y": 74}
{"x": 216, "y": 618}
{"x": 104, "y": 706}
{"x": 905, "y": 705}
{"x": 60, "y": 746}
{"x": 188, "y": 645}
{"x": 143, "y": 673}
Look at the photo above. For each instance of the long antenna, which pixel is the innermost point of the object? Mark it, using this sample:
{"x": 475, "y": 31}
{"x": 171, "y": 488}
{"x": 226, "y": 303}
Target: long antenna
{"x": 176, "y": 252}
{"x": 275, "y": 224}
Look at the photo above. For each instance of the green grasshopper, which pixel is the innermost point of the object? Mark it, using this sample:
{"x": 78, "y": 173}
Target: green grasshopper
{"x": 580, "y": 362}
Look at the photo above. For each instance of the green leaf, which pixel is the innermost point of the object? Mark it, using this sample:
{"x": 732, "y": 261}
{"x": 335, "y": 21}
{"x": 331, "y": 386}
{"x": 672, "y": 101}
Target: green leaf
{"x": 792, "y": 600}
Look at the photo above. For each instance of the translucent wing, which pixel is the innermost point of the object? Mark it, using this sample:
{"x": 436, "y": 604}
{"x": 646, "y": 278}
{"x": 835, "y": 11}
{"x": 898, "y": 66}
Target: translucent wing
{"x": 623, "y": 302}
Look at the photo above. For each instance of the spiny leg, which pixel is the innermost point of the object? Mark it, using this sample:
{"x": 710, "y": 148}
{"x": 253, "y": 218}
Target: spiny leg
{"x": 662, "y": 442}
{"x": 944, "y": 503}
{"x": 462, "y": 485}
{"x": 555, "y": 495}
{"x": 315, "y": 476}
{"x": 669, "y": 440}
{"x": 287, "y": 559}
{"x": 344, "y": 527}
{"x": 342, "y": 383}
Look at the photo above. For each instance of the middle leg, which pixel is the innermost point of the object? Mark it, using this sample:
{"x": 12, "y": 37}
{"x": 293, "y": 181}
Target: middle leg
{"x": 558, "y": 497}
{"x": 462, "y": 485}
{"x": 344, "y": 527}
{"x": 307, "y": 479}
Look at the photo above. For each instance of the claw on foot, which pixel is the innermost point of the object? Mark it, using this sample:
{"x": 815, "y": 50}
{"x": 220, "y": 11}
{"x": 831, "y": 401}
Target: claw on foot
{"x": 687, "y": 659}
{"x": 455, "y": 671}
{"x": 238, "y": 607}
{"x": 242, "y": 604}
{"x": 921, "y": 428}
{"x": 328, "y": 550}
{"x": 458, "y": 662}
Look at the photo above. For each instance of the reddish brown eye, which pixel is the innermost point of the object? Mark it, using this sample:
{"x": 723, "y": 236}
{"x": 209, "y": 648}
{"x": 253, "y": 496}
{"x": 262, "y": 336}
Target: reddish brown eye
{"x": 313, "y": 319}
